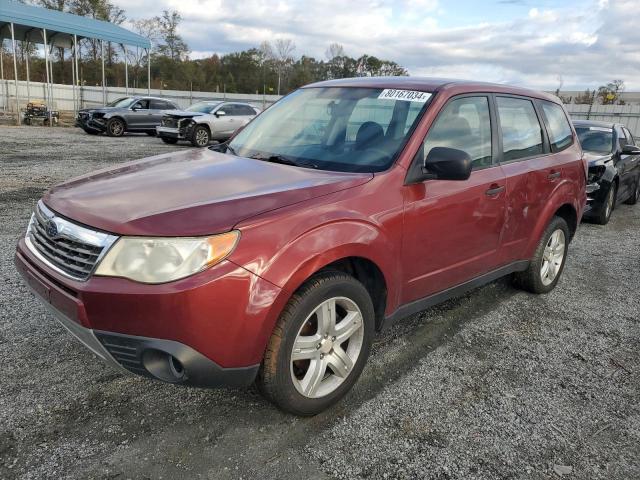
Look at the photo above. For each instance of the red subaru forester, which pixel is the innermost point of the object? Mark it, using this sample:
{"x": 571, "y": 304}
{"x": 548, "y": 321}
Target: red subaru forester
{"x": 275, "y": 258}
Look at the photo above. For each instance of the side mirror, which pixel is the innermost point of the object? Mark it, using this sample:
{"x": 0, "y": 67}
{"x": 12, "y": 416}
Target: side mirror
{"x": 631, "y": 150}
{"x": 446, "y": 163}
{"x": 220, "y": 113}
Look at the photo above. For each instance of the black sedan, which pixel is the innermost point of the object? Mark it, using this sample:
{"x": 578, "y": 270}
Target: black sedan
{"x": 614, "y": 167}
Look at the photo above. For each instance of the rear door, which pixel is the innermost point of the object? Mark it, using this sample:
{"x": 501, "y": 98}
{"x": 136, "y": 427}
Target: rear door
{"x": 452, "y": 228}
{"x": 156, "y": 111}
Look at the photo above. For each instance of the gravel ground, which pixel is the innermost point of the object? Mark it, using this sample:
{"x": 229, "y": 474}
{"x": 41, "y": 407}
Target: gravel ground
{"x": 497, "y": 384}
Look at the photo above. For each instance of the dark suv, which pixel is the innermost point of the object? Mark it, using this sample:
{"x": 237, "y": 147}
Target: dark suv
{"x": 344, "y": 207}
{"x": 614, "y": 167}
{"x": 128, "y": 114}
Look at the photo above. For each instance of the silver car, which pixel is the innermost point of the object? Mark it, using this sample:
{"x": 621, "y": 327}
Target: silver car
{"x": 205, "y": 121}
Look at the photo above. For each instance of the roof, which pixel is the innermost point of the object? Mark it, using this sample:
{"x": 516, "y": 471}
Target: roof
{"x": 61, "y": 27}
{"x": 429, "y": 84}
{"x": 595, "y": 123}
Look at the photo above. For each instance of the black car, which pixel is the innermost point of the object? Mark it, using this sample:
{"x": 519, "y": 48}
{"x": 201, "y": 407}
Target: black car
{"x": 128, "y": 114}
{"x": 614, "y": 167}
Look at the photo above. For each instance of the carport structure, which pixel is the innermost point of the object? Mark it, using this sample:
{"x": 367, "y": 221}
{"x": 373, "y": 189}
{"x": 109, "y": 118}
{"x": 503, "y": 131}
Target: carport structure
{"x": 52, "y": 28}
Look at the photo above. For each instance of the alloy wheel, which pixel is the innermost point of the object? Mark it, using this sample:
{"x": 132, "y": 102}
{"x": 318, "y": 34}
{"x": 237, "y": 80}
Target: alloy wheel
{"x": 327, "y": 347}
{"x": 116, "y": 129}
{"x": 552, "y": 257}
{"x": 202, "y": 137}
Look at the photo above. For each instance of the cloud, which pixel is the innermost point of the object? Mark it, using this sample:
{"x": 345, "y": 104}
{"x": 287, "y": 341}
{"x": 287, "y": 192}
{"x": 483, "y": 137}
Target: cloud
{"x": 586, "y": 42}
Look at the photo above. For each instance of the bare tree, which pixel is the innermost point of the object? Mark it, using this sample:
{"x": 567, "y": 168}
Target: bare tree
{"x": 283, "y": 48}
{"x": 173, "y": 46}
{"x": 148, "y": 28}
{"x": 334, "y": 50}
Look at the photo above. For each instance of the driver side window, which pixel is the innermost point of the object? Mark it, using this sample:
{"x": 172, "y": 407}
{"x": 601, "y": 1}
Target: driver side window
{"x": 464, "y": 124}
{"x": 141, "y": 105}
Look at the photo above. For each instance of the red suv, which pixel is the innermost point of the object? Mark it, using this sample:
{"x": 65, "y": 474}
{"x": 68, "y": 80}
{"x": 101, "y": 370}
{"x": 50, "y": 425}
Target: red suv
{"x": 346, "y": 206}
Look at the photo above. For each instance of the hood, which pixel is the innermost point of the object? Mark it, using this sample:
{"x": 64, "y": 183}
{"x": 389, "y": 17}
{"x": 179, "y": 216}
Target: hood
{"x": 197, "y": 192}
{"x": 594, "y": 158}
{"x": 100, "y": 110}
{"x": 183, "y": 114}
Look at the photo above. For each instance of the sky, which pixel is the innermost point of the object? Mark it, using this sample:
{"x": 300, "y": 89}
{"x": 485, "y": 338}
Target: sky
{"x": 572, "y": 44}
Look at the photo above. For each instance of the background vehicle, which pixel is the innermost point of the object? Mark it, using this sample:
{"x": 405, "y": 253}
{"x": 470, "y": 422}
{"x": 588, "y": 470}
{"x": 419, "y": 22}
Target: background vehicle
{"x": 128, "y": 114}
{"x": 614, "y": 167}
{"x": 205, "y": 121}
{"x": 346, "y": 206}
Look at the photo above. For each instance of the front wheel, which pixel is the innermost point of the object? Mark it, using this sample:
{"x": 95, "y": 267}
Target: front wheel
{"x": 604, "y": 215}
{"x": 320, "y": 344}
{"x": 547, "y": 264}
{"x": 635, "y": 196}
{"x": 200, "y": 136}
{"x": 115, "y": 127}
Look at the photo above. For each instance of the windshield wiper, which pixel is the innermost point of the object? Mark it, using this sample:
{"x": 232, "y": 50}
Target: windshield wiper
{"x": 282, "y": 160}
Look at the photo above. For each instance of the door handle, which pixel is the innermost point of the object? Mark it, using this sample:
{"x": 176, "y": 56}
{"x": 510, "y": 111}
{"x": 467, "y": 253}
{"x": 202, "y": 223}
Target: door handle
{"x": 494, "y": 189}
{"x": 554, "y": 174}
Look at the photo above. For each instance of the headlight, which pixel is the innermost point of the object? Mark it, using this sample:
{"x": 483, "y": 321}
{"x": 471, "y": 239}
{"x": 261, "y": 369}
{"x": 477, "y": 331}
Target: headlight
{"x": 160, "y": 260}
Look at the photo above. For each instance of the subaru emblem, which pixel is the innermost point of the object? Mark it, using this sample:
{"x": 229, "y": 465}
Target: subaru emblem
{"x": 52, "y": 229}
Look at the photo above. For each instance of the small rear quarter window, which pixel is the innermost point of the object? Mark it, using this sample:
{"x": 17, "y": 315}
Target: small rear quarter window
{"x": 558, "y": 127}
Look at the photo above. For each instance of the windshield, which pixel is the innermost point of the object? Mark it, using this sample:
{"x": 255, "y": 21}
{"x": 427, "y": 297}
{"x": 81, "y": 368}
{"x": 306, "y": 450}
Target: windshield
{"x": 334, "y": 128}
{"x": 124, "y": 102}
{"x": 596, "y": 139}
{"x": 202, "y": 107}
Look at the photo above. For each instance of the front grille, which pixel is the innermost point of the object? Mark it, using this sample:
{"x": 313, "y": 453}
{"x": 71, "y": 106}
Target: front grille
{"x": 84, "y": 116}
{"x": 69, "y": 248}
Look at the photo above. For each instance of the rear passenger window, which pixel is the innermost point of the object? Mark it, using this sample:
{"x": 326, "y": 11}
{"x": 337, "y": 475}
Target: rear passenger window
{"x": 521, "y": 133}
{"x": 558, "y": 128}
{"x": 245, "y": 110}
{"x": 464, "y": 124}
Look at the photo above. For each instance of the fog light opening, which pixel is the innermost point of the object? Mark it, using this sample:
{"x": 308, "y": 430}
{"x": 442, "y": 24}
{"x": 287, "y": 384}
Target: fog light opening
{"x": 163, "y": 366}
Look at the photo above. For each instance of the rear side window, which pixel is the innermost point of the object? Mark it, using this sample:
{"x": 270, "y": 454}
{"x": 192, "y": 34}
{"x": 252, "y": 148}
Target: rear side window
{"x": 245, "y": 110}
{"x": 558, "y": 128}
{"x": 464, "y": 124}
{"x": 521, "y": 133}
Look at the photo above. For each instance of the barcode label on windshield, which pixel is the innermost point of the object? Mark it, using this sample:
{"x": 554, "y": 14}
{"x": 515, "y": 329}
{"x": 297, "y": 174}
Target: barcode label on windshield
{"x": 406, "y": 95}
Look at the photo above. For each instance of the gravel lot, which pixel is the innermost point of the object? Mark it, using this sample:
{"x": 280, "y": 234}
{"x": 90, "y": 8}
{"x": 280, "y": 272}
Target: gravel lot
{"x": 497, "y": 384}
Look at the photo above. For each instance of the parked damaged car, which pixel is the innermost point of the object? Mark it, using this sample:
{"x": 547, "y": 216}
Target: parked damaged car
{"x": 205, "y": 121}
{"x": 127, "y": 114}
{"x": 614, "y": 167}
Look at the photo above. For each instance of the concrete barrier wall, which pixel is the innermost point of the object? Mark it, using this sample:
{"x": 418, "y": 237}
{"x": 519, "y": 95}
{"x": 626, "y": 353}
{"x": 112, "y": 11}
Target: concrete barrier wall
{"x": 92, "y": 96}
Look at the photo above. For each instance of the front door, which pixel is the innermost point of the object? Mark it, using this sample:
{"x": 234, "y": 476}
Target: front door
{"x": 138, "y": 115}
{"x": 452, "y": 228}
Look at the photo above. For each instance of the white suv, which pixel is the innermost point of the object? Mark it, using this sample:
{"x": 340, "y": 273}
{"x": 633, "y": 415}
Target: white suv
{"x": 205, "y": 121}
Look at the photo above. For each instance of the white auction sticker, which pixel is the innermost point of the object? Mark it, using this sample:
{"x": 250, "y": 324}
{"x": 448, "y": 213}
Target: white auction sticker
{"x": 406, "y": 95}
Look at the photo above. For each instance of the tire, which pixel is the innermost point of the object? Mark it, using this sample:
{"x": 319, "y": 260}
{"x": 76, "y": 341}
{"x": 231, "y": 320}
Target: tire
{"x": 200, "y": 136}
{"x": 115, "y": 127}
{"x": 604, "y": 215}
{"x": 534, "y": 279}
{"x": 290, "y": 384}
{"x": 90, "y": 132}
{"x": 169, "y": 140}
{"x": 27, "y": 121}
{"x": 635, "y": 196}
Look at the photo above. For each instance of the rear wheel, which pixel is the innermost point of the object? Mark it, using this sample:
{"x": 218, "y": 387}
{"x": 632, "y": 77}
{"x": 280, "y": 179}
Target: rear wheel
{"x": 547, "y": 264}
{"x": 169, "y": 140}
{"x": 320, "y": 344}
{"x": 635, "y": 196}
{"x": 200, "y": 136}
{"x": 115, "y": 127}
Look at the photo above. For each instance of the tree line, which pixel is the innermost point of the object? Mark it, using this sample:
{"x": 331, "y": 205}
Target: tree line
{"x": 271, "y": 68}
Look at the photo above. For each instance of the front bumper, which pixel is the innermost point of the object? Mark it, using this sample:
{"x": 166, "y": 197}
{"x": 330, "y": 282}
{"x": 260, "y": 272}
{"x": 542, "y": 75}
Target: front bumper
{"x": 171, "y": 132}
{"x": 207, "y": 330}
{"x": 89, "y": 123}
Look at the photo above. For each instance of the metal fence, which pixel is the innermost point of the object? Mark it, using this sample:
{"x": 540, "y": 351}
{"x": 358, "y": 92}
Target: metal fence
{"x": 92, "y": 96}
{"x": 626, "y": 114}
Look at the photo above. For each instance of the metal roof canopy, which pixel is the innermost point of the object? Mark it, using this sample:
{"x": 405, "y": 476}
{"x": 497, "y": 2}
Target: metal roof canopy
{"x": 29, "y": 21}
